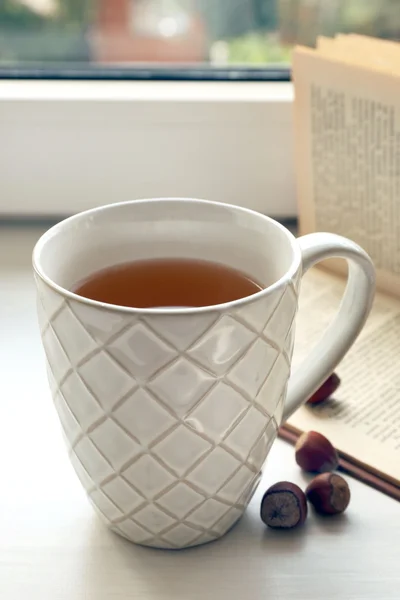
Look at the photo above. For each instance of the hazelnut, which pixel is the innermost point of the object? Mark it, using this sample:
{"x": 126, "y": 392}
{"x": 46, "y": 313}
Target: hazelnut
{"x": 326, "y": 390}
{"x": 315, "y": 453}
{"x": 284, "y": 506}
{"x": 329, "y": 494}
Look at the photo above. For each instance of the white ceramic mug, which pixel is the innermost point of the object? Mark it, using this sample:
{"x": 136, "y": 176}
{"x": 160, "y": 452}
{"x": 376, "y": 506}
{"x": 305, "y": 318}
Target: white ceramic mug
{"x": 169, "y": 414}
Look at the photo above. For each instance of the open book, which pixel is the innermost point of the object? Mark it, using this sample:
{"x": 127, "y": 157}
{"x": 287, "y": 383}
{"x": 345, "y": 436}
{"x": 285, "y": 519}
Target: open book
{"x": 347, "y": 127}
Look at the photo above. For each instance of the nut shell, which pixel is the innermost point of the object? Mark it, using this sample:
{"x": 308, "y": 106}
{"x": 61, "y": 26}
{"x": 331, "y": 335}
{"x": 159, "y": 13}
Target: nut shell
{"x": 284, "y": 506}
{"x": 326, "y": 390}
{"x": 329, "y": 494}
{"x": 314, "y": 453}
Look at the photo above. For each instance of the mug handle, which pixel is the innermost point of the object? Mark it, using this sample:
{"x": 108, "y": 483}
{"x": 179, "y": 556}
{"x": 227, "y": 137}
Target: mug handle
{"x": 346, "y": 325}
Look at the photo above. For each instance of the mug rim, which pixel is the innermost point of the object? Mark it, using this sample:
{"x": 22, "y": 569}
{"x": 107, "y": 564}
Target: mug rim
{"x": 191, "y": 310}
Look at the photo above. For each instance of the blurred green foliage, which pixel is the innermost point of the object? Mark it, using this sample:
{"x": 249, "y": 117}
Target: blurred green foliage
{"x": 380, "y": 18}
{"x": 227, "y": 19}
{"x": 16, "y": 15}
{"x": 28, "y": 35}
{"x": 257, "y": 49}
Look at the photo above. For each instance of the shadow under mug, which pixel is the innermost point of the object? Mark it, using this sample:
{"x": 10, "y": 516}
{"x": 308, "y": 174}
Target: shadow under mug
{"x": 169, "y": 414}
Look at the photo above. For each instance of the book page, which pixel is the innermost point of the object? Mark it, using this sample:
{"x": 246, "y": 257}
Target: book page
{"x": 363, "y": 51}
{"x": 363, "y": 418}
{"x": 347, "y": 128}
{"x": 381, "y": 49}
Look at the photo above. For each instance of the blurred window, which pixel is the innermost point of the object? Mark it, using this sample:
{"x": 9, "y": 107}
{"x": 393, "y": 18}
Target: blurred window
{"x": 207, "y": 35}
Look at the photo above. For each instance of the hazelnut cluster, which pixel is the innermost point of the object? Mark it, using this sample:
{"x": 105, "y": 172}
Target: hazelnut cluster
{"x": 284, "y": 505}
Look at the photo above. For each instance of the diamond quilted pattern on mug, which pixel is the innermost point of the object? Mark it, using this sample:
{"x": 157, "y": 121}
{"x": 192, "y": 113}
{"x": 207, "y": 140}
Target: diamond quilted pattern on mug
{"x": 257, "y": 314}
{"x": 132, "y": 531}
{"x": 70, "y": 425}
{"x": 181, "y": 331}
{"x": 107, "y": 381}
{"x": 143, "y": 417}
{"x": 281, "y": 321}
{"x": 271, "y": 430}
{"x": 232, "y": 491}
{"x": 123, "y": 495}
{"x": 208, "y": 513}
{"x": 181, "y": 535}
{"x": 250, "y": 372}
{"x": 181, "y": 385}
{"x": 148, "y": 476}
{"x": 222, "y": 345}
{"x": 289, "y": 341}
{"x": 105, "y": 506}
{"x": 114, "y": 443}
{"x": 279, "y": 409}
{"x": 246, "y": 432}
{"x": 81, "y": 472}
{"x": 271, "y": 391}
{"x": 214, "y": 470}
{"x": 205, "y": 538}
{"x": 296, "y": 281}
{"x": 93, "y": 462}
{"x": 228, "y": 520}
{"x": 157, "y": 542}
{"x": 140, "y": 351}
{"x": 181, "y": 449}
{"x": 180, "y": 500}
{"x": 259, "y": 452}
{"x": 153, "y": 519}
{"x": 41, "y": 314}
{"x": 51, "y": 301}
{"x": 73, "y": 337}
{"x": 53, "y": 385}
{"x": 56, "y": 357}
{"x": 248, "y": 493}
{"x": 100, "y": 324}
{"x": 80, "y": 401}
{"x": 261, "y": 449}
{"x": 219, "y": 410}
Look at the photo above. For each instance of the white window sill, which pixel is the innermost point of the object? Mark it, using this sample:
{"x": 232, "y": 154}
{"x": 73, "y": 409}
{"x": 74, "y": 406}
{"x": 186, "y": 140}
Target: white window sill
{"x": 67, "y": 146}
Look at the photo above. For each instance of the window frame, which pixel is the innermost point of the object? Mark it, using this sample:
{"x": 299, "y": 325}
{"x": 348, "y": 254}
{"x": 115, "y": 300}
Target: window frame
{"x": 139, "y": 72}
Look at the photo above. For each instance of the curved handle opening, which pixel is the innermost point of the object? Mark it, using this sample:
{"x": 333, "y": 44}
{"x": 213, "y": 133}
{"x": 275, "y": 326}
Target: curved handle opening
{"x": 345, "y": 327}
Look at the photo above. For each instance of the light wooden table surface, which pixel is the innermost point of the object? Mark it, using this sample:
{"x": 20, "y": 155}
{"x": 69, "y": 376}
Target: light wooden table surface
{"x": 53, "y": 547}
